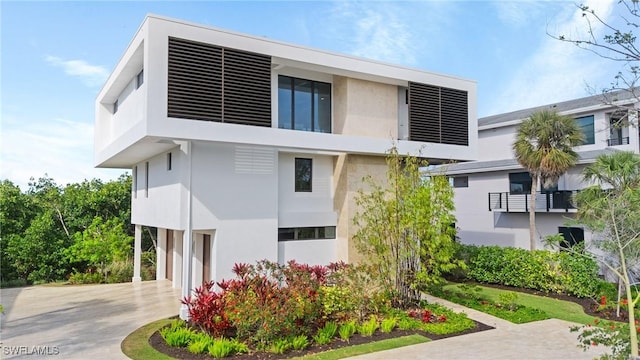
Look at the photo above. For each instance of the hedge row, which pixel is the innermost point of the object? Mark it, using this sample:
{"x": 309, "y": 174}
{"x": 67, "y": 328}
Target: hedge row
{"x": 543, "y": 270}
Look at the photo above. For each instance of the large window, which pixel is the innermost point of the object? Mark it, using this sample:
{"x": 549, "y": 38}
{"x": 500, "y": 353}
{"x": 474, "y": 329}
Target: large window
{"x": 520, "y": 183}
{"x": 303, "y": 174}
{"x": 304, "y": 104}
{"x": 586, "y": 125}
{"x": 571, "y": 236}
{"x": 307, "y": 233}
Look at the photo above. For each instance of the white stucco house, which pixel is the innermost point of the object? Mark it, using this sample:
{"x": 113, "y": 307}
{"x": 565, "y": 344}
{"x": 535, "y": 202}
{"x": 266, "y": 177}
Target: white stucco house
{"x": 492, "y": 194}
{"x": 245, "y": 148}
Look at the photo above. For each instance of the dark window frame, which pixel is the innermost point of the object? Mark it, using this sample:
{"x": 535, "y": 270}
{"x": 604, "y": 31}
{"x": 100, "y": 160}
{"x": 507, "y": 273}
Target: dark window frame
{"x": 307, "y": 233}
{"x": 315, "y": 120}
{"x": 169, "y": 161}
{"x": 587, "y": 126}
{"x": 460, "y": 181}
{"x": 572, "y": 236}
{"x": 520, "y": 178}
{"x": 302, "y": 181}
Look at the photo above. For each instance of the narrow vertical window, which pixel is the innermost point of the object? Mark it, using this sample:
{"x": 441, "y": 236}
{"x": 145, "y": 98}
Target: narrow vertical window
{"x": 146, "y": 179}
{"x": 135, "y": 182}
{"x": 169, "y": 165}
{"x": 303, "y": 174}
{"x": 139, "y": 79}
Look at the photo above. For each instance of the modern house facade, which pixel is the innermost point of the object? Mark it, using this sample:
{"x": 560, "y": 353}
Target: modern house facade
{"x": 492, "y": 195}
{"x": 244, "y": 148}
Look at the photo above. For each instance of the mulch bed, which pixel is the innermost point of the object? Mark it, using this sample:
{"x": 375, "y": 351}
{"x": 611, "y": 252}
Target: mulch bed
{"x": 160, "y": 345}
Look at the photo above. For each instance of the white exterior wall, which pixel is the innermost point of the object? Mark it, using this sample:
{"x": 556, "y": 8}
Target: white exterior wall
{"x": 479, "y": 226}
{"x": 235, "y": 194}
{"x": 300, "y": 209}
{"x": 495, "y": 144}
{"x": 162, "y": 204}
{"x": 312, "y": 252}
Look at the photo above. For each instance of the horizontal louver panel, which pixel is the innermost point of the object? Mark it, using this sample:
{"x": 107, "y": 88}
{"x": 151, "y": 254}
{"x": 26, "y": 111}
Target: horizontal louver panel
{"x": 424, "y": 113}
{"x": 207, "y": 82}
{"x": 455, "y": 117}
{"x": 247, "y": 88}
{"x": 194, "y": 80}
{"x": 438, "y": 115}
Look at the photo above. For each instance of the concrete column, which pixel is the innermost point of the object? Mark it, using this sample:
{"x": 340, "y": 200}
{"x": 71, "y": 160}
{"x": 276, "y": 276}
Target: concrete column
{"x": 137, "y": 254}
{"x": 161, "y": 255}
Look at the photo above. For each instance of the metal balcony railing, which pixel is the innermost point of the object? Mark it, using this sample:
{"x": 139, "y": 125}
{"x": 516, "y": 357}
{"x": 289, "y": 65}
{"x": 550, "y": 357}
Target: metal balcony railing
{"x": 618, "y": 141}
{"x": 545, "y": 201}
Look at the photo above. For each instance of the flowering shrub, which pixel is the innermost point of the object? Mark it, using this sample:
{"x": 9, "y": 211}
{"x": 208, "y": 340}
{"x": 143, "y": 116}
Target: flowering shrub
{"x": 268, "y": 301}
{"x": 614, "y": 335}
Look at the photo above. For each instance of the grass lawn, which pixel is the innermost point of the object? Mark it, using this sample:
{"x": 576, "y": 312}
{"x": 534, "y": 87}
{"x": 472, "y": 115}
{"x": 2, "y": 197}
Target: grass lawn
{"x": 136, "y": 345}
{"x": 559, "y": 309}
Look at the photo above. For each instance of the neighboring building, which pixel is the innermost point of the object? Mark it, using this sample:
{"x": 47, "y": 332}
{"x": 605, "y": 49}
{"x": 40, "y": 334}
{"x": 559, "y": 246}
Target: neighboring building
{"x": 244, "y": 148}
{"x": 492, "y": 194}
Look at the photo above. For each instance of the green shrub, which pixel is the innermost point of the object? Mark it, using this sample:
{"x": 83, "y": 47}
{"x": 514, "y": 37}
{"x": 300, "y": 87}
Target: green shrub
{"x": 388, "y": 325}
{"x": 347, "y": 330}
{"x": 321, "y": 338}
{"x": 542, "y": 270}
{"x": 239, "y": 347}
{"x": 300, "y": 342}
{"x": 176, "y": 336}
{"x": 78, "y": 278}
{"x": 221, "y": 348}
{"x": 280, "y": 346}
{"x": 509, "y": 300}
{"x": 407, "y": 323}
{"x": 120, "y": 271}
{"x": 368, "y": 327}
{"x": 199, "y": 343}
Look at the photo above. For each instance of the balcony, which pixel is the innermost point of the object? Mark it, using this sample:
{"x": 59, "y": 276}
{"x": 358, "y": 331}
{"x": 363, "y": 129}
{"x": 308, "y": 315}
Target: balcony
{"x": 618, "y": 141}
{"x": 556, "y": 201}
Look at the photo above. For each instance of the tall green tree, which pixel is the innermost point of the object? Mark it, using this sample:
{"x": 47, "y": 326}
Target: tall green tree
{"x": 544, "y": 147}
{"x": 405, "y": 227}
{"x": 611, "y": 210}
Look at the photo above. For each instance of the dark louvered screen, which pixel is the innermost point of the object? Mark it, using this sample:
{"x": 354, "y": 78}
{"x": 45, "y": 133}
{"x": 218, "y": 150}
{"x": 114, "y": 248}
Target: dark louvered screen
{"x": 438, "y": 115}
{"x": 247, "y": 88}
{"x": 194, "y": 89}
{"x": 207, "y": 82}
{"x": 424, "y": 113}
{"x": 455, "y": 117}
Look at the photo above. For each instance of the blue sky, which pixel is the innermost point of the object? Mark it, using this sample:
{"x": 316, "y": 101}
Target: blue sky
{"x": 56, "y": 55}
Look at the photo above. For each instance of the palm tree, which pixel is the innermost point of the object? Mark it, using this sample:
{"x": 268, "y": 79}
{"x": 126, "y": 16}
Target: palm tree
{"x": 544, "y": 147}
{"x": 617, "y": 170}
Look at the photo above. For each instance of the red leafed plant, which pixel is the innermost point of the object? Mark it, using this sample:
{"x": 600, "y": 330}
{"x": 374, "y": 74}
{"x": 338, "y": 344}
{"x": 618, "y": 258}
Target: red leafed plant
{"x": 207, "y": 310}
{"x": 426, "y": 316}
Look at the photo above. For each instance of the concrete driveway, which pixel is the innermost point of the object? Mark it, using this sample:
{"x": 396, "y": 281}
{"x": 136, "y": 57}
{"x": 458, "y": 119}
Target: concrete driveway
{"x": 80, "y": 322}
{"x": 90, "y": 322}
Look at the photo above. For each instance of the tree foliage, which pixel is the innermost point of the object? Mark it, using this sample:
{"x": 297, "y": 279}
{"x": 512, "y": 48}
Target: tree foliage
{"x": 40, "y": 224}
{"x": 611, "y": 210}
{"x": 544, "y": 147}
{"x": 612, "y": 38}
{"x": 405, "y": 227}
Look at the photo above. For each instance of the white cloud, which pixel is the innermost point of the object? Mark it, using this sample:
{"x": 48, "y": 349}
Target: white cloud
{"x": 62, "y": 149}
{"x": 373, "y": 30}
{"x": 91, "y": 75}
{"x": 556, "y": 71}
